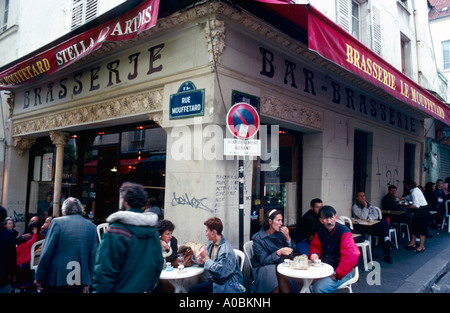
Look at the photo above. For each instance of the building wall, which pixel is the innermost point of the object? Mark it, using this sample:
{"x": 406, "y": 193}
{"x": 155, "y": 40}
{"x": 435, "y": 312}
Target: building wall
{"x": 328, "y": 142}
{"x": 231, "y": 51}
{"x": 439, "y": 31}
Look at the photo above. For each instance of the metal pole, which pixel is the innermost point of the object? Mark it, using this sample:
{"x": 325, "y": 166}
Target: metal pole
{"x": 241, "y": 204}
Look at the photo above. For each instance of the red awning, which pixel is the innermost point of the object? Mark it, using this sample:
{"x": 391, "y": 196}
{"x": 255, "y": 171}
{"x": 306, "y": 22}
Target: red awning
{"x": 335, "y": 44}
{"x": 124, "y": 27}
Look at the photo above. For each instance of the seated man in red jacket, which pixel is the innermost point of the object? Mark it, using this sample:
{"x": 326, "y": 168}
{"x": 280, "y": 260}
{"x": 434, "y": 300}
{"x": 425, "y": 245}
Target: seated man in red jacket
{"x": 333, "y": 244}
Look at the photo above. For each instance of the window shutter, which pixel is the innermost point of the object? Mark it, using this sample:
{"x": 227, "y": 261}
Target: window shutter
{"x": 376, "y": 30}
{"x": 91, "y": 10}
{"x": 77, "y": 14}
{"x": 344, "y": 14}
{"x": 83, "y": 11}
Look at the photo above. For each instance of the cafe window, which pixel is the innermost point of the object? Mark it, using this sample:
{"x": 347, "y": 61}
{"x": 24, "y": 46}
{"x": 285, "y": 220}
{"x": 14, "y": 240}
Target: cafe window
{"x": 135, "y": 153}
{"x": 42, "y": 165}
{"x": 96, "y": 163}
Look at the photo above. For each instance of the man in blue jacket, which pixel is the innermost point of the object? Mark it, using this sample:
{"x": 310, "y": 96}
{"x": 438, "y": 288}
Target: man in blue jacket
{"x": 67, "y": 259}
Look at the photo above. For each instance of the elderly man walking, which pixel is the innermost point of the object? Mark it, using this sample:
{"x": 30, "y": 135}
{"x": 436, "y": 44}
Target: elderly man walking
{"x": 67, "y": 259}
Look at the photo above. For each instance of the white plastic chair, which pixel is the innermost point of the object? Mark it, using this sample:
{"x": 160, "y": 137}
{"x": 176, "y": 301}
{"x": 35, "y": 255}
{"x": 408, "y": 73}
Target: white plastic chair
{"x": 365, "y": 246}
{"x": 248, "y": 249}
{"x": 101, "y": 228}
{"x": 240, "y": 257}
{"x": 348, "y": 284}
{"x": 392, "y": 231}
{"x": 34, "y": 247}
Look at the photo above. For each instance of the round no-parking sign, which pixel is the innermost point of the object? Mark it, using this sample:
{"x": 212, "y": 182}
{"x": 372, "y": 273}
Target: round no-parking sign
{"x": 243, "y": 120}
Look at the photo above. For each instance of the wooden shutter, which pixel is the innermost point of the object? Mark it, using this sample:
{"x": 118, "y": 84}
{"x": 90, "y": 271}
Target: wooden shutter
{"x": 376, "y": 30}
{"x": 83, "y": 11}
{"x": 91, "y": 10}
{"x": 344, "y": 14}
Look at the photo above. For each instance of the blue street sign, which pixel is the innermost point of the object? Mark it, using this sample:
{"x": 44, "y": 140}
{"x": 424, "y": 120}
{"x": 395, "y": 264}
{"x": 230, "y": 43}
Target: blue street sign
{"x": 188, "y": 102}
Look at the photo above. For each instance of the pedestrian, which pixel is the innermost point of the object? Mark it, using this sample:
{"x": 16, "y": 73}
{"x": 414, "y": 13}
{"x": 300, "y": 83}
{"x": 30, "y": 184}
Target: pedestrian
{"x": 7, "y": 255}
{"x": 421, "y": 219}
{"x": 68, "y": 253}
{"x": 129, "y": 259}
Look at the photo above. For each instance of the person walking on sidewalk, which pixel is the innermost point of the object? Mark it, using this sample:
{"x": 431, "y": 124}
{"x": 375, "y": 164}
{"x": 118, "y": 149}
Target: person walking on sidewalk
{"x": 129, "y": 258}
{"x": 67, "y": 259}
{"x": 420, "y": 220}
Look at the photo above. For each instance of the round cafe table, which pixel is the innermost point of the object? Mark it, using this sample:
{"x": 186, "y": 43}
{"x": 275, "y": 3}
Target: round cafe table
{"x": 178, "y": 279}
{"x": 313, "y": 272}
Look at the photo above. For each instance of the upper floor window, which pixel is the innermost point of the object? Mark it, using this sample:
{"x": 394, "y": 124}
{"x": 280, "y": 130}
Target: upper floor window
{"x": 356, "y": 19}
{"x": 349, "y": 16}
{"x": 446, "y": 54}
{"x": 405, "y": 47}
{"x": 83, "y": 11}
{"x": 352, "y": 15}
{"x": 4, "y": 9}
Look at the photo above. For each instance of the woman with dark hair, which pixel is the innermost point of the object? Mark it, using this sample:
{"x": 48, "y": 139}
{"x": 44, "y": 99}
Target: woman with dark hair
{"x": 420, "y": 220}
{"x": 271, "y": 245}
{"x": 169, "y": 244}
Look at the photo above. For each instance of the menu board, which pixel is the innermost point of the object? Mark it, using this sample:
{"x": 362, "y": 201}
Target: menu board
{"x": 47, "y": 161}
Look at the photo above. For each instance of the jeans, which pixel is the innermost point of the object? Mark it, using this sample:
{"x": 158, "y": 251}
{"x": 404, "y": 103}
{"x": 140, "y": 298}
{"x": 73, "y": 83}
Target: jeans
{"x": 303, "y": 247}
{"x": 328, "y": 285}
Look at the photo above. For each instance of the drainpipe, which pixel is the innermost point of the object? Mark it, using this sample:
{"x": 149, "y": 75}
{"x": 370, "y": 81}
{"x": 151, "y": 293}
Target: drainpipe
{"x": 418, "y": 45}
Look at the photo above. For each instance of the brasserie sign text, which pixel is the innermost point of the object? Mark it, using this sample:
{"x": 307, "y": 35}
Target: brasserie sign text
{"x": 319, "y": 86}
{"x": 108, "y": 75}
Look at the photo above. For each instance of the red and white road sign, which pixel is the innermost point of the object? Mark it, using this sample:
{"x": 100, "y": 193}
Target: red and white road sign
{"x": 243, "y": 120}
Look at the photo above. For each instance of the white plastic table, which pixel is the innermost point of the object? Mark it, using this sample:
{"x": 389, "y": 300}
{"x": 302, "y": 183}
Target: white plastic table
{"x": 313, "y": 272}
{"x": 178, "y": 280}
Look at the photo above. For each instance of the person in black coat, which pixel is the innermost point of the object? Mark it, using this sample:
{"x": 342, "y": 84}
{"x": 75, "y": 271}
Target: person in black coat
{"x": 307, "y": 227}
{"x": 7, "y": 254}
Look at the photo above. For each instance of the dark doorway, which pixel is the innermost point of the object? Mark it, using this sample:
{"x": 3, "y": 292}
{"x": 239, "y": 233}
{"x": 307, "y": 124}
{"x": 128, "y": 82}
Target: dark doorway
{"x": 360, "y": 155}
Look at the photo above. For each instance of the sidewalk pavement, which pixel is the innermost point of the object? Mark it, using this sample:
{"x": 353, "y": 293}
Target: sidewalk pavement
{"x": 410, "y": 272}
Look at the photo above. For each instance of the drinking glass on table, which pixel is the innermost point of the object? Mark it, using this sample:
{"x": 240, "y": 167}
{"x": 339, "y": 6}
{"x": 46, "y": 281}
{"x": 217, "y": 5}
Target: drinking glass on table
{"x": 180, "y": 260}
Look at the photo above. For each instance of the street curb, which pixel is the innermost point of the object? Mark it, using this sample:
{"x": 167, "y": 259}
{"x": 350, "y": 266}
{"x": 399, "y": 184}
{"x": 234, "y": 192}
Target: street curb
{"x": 421, "y": 281}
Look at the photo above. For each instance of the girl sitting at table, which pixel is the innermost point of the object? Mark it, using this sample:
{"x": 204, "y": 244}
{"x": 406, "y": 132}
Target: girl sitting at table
{"x": 271, "y": 245}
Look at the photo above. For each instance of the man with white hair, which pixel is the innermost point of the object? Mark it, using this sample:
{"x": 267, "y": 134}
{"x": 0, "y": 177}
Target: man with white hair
{"x": 67, "y": 259}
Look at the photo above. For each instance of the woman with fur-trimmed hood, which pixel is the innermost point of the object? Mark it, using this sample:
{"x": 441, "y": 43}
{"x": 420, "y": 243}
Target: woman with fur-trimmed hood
{"x": 129, "y": 258}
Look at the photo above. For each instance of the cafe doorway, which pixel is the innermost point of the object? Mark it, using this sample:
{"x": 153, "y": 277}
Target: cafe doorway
{"x": 277, "y": 180}
{"x": 100, "y": 183}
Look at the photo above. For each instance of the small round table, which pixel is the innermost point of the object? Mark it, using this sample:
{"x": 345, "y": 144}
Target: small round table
{"x": 178, "y": 279}
{"x": 313, "y": 272}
